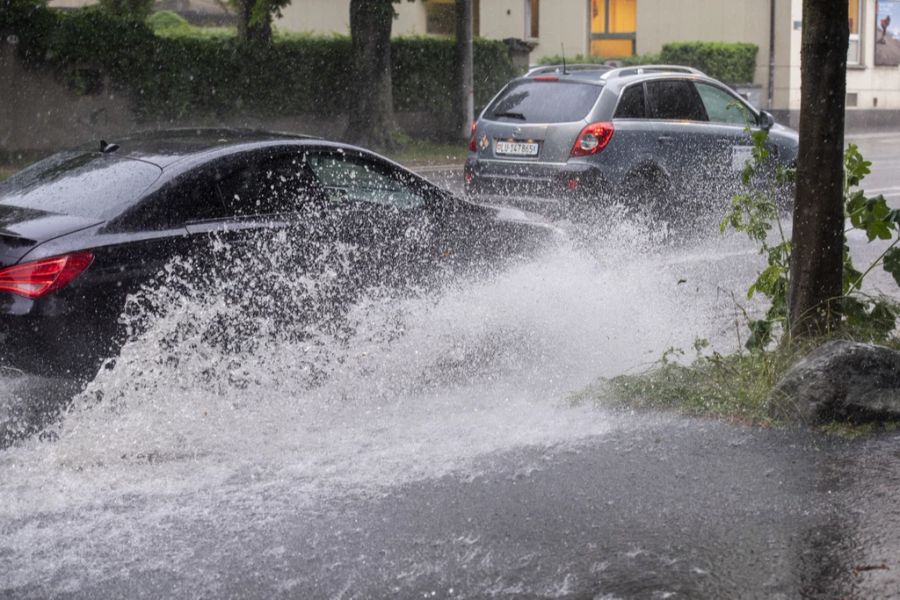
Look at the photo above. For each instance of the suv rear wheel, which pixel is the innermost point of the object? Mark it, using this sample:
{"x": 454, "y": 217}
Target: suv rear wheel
{"x": 647, "y": 191}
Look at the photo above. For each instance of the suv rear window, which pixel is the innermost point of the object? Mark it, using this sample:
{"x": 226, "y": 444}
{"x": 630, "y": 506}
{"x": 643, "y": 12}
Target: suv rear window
{"x": 532, "y": 101}
{"x": 83, "y": 184}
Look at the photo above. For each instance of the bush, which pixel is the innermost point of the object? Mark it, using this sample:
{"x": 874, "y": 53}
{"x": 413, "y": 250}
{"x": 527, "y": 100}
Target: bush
{"x": 627, "y": 61}
{"x": 728, "y": 62}
{"x": 137, "y": 10}
{"x": 173, "y": 76}
{"x": 167, "y": 22}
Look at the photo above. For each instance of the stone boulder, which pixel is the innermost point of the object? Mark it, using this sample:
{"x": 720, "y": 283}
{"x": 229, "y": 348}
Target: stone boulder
{"x": 840, "y": 381}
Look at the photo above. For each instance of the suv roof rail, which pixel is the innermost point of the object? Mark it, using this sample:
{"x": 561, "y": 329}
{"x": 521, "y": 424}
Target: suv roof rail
{"x": 641, "y": 69}
{"x": 565, "y": 69}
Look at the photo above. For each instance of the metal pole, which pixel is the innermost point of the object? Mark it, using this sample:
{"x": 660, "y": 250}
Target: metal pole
{"x": 771, "y": 84}
{"x": 464, "y": 55}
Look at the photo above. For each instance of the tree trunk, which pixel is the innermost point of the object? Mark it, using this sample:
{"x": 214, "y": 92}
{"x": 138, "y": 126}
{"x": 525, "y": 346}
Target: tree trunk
{"x": 818, "y": 234}
{"x": 371, "y": 121}
{"x": 259, "y": 33}
{"x": 465, "y": 102}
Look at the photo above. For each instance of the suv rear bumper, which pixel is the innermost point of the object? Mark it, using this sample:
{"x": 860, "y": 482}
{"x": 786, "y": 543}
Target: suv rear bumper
{"x": 547, "y": 184}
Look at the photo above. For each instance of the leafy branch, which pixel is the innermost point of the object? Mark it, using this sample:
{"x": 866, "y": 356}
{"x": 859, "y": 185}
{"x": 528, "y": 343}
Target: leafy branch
{"x": 754, "y": 211}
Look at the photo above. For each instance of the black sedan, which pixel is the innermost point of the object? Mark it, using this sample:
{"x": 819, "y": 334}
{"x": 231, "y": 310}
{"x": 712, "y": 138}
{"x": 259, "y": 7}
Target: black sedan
{"x": 82, "y": 229}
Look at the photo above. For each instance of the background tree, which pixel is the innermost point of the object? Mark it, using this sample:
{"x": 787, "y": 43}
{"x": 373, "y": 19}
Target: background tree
{"x": 818, "y": 234}
{"x": 371, "y": 106}
{"x": 255, "y": 19}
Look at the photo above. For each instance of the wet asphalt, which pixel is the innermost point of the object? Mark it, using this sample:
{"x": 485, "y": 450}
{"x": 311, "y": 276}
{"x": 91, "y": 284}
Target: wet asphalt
{"x": 665, "y": 507}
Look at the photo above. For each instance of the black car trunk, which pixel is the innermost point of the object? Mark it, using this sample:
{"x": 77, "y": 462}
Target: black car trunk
{"x": 23, "y": 229}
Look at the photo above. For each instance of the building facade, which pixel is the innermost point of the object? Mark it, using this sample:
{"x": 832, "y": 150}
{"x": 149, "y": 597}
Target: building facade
{"x": 615, "y": 28}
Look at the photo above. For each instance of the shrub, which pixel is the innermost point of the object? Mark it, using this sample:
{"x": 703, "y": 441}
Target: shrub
{"x": 127, "y": 9}
{"x": 167, "y": 22}
{"x": 627, "y": 61}
{"x": 173, "y": 76}
{"x": 728, "y": 62}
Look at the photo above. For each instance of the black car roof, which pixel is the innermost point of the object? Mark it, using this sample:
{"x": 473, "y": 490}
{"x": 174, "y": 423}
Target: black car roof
{"x": 165, "y": 147}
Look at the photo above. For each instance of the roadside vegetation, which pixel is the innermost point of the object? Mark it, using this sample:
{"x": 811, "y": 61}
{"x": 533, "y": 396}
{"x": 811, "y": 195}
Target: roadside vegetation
{"x": 731, "y": 62}
{"x": 736, "y": 387}
{"x": 170, "y": 70}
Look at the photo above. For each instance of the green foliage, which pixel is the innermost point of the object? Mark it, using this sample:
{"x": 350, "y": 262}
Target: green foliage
{"x": 578, "y": 59}
{"x": 753, "y": 212}
{"x": 167, "y": 22}
{"x": 641, "y": 59}
{"x": 581, "y": 59}
{"x": 137, "y": 10}
{"x": 726, "y": 61}
{"x": 184, "y": 74}
{"x": 729, "y": 62}
{"x": 734, "y": 387}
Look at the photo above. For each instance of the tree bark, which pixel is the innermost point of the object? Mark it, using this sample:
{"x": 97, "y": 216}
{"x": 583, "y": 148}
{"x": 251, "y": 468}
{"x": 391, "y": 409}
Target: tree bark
{"x": 465, "y": 102}
{"x": 371, "y": 122}
{"x": 818, "y": 233}
{"x": 252, "y": 33}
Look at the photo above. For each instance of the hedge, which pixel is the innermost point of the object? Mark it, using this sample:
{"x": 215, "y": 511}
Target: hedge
{"x": 728, "y": 62}
{"x": 171, "y": 77}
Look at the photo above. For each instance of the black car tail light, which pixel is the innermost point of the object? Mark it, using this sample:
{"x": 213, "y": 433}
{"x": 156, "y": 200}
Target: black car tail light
{"x": 38, "y": 278}
{"x": 593, "y": 139}
{"x": 472, "y": 146}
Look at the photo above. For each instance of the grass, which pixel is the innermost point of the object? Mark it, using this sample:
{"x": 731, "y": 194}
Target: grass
{"x": 5, "y": 172}
{"x": 733, "y": 388}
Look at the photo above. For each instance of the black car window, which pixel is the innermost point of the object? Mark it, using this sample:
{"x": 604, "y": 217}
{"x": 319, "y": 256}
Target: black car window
{"x": 675, "y": 99}
{"x": 270, "y": 185}
{"x": 722, "y": 106}
{"x": 348, "y": 177}
{"x": 631, "y": 103}
{"x": 84, "y": 184}
{"x": 531, "y": 101}
{"x": 187, "y": 199}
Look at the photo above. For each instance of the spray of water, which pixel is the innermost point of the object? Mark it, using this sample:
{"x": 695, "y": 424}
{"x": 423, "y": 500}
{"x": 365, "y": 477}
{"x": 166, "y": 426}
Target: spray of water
{"x": 256, "y": 390}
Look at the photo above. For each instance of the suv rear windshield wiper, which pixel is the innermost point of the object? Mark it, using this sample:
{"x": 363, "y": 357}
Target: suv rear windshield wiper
{"x": 511, "y": 115}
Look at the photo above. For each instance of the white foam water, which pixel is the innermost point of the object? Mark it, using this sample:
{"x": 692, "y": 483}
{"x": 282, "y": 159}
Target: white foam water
{"x": 195, "y": 424}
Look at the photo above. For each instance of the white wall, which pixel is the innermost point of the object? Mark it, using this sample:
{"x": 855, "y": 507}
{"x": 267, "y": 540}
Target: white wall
{"x": 869, "y": 82}
{"x": 333, "y": 16}
{"x": 564, "y": 23}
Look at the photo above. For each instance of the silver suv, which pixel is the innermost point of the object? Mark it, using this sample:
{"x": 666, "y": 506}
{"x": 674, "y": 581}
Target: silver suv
{"x": 651, "y": 137}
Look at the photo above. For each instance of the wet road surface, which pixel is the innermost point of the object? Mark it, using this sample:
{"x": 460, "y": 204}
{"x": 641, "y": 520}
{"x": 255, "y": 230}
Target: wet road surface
{"x": 451, "y": 462}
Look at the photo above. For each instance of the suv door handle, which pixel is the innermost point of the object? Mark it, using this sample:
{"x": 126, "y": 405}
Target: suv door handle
{"x": 665, "y": 139}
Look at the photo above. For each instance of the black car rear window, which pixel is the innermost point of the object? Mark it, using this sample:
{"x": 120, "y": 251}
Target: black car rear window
{"x": 531, "y": 101}
{"x": 84, "y": 184}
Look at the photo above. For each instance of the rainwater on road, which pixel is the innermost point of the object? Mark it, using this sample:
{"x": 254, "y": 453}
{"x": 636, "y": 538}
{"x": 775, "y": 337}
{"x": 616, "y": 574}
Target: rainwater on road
{"x": 436, "y": 451}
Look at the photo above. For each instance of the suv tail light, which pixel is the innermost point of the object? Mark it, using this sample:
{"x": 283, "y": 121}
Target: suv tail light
{"x": 472, "y": 146}
{"x": 593, "y": 139}
{"x": 40, "y": 277}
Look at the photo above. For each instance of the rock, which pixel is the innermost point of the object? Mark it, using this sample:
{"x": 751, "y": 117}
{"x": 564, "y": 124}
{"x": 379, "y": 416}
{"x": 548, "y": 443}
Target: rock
{"x": 840, "y": 381}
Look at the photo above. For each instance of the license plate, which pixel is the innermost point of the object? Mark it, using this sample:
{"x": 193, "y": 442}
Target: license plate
{"x": 517, "y": 148}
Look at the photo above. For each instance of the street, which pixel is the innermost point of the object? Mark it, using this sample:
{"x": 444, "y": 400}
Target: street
{"x": 444, "y": 455}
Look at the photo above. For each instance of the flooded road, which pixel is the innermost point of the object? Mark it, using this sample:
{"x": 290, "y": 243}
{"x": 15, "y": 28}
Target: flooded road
{"x": 434, "y": 450}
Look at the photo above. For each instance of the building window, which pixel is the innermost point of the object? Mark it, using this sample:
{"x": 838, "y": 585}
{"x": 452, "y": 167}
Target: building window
{"x": 853, "y": 51}
{"x": 440, "y": 17}
{"x": 532, "y": 18}
{"x": 613, "y": 27}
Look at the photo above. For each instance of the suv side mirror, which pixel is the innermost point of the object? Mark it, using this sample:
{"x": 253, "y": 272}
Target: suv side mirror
{"x": 765, "y": 120}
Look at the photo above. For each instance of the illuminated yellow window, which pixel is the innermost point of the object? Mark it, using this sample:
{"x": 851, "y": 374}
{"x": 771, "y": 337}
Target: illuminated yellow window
{"x": 613, "y": 27}
{"x": 853, "y": 54}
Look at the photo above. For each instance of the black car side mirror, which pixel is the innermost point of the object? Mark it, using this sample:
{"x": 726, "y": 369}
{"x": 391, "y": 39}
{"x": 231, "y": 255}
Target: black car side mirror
{"x": 766, "y": 120}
